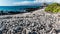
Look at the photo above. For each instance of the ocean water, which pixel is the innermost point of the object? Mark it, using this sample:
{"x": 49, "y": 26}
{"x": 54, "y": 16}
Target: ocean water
{"x": 15, "y": 8}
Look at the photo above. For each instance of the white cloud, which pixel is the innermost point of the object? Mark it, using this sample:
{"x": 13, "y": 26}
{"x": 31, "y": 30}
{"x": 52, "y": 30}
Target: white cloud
{"x": 34, "y": 2}
{"x": 26, "y": 3}
{"x": 44, "y": 0}
{"x": 58, "y": 1}
{"x": 23, "y": 3}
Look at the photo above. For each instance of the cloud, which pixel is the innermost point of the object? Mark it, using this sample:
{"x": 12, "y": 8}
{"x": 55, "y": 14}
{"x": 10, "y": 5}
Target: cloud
{"x": 26, "y": 3}
{"x": 44, "y": 0}
{"x": 34, "y": 2}
{"x": 58, "y": 1}
{"x": 23, "y": 3}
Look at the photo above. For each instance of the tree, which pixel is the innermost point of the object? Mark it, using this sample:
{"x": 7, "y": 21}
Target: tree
{"x": 54, "y": 8}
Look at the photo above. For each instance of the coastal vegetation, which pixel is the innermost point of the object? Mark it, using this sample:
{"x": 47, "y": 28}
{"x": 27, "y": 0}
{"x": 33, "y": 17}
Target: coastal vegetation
{"x": 54, "y": 8}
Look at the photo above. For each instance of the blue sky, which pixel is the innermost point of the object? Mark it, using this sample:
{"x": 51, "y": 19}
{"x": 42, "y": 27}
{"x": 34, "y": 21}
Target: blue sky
{"x": 23, "y": 2}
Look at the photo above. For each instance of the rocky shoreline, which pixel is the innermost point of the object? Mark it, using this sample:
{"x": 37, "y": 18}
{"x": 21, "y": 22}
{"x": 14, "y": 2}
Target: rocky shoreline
{"x": 37, "y": 22}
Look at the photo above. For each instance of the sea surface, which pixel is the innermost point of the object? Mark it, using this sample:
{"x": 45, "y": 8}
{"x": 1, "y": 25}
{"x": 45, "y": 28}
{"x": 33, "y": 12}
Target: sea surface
{"x": 15, "y": 8}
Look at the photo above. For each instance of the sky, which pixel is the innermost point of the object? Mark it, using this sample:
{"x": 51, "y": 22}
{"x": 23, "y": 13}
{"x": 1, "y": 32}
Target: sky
{"x": 24, "y": 2}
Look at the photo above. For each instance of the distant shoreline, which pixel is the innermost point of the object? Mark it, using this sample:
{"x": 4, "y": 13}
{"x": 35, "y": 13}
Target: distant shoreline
{"x": 18, "y": 12}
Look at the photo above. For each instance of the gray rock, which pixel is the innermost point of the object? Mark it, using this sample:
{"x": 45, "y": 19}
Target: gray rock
{"x": 40, "y": 22}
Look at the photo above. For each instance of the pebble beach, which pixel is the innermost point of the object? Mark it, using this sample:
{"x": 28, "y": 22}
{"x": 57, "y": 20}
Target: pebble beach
{"x": 36, "y": 22}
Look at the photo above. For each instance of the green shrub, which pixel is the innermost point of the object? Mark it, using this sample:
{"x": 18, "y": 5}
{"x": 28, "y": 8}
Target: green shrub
{"x": 54, "y": 8}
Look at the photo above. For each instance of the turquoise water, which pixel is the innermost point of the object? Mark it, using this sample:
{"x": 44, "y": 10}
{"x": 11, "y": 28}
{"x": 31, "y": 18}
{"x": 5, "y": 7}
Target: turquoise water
{"x": 15, "y": 8}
